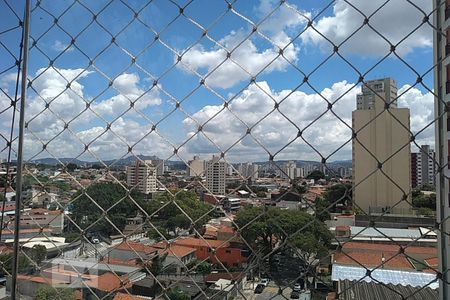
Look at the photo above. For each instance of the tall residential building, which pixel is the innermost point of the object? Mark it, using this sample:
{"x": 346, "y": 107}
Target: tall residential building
{"x": 248, "y": 171}
{"x": 382, "y": 136}
{"x": 196, "y": 167}
{"x": 159, "y": 165}
{"x": 143, "y": 175}
{"x": 215, "y": 175}
{"x": 423, "y": 167}
{"x": 289, "y": 170}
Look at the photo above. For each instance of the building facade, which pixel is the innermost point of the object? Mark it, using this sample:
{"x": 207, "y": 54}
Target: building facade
{"x": 248, "y": 171}
{"x": 423, "y": 167}
{"x": 215, "y": 175}
{"x": 381, "y": 151}
{"x": 142, "y": 175}
{"x": 196, "y": 167}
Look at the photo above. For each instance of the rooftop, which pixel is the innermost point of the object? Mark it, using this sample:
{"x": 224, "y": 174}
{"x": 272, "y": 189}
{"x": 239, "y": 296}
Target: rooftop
{"x": 196, "y": 242}
{"x": 364, "y": 290}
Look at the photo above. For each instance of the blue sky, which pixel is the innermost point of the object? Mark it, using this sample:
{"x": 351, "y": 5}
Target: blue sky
{"x": 281, "y": 78}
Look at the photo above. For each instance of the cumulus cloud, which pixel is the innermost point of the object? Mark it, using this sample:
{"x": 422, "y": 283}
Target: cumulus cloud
{"x": 297, "y": 110}
{"x": 421, "y": 107}
{"x": 394, "y": 21}
{"x": 248, "y": 57}
{"x": 68, "y": 105}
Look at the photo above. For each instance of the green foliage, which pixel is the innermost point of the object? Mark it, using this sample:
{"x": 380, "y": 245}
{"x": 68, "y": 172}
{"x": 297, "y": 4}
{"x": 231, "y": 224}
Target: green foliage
{"x": 420, "y": 200}
{"x": 339, "y": 194}
{"x": 176, "y": 294}
{"x": 71, "y": 167}
{"x": 174, "y": 218}
{"x": 321, "y": 209}
{"x": 316, "y": 175}
{"x": 107, "y": 196}
{"x": 275, "y": 226}
{"x": 154, "y": 235}
{"x": 204, "y": 268}
{"x": 37, "y": 254}
{"x": 50, "y": 293}
{"x": 6, "y": 264}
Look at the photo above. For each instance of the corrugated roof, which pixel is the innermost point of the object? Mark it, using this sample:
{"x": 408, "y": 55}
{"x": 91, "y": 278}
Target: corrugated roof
{"x": 375, "y": 291}
{"x": 383, "y": 232}
{"x": 415, "y": 279}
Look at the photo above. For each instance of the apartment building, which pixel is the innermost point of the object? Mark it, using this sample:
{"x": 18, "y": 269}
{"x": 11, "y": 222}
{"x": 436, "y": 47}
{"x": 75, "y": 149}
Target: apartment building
{"x": 142, "y": 174}
{"x": 248, "y": 171}
{"x": 381, "y": 151}
{"x": 423, "y": 167}
{"x": 196, "y": 167}
{"x": 215, "y": 175}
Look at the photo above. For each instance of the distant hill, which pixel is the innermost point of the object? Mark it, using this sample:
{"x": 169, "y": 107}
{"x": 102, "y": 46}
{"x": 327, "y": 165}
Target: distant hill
{"x": 173, "y": 164}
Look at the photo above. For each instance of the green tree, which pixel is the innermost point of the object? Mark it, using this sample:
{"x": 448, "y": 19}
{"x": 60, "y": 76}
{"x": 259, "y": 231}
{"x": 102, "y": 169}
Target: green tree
{"x": 176, "y": 294}
{"x": 316, "y": 175}
{"x": 321, "y": 209}
{"x": 50, "y": 293}
{"x": 71, "y": 167}
{"x": 154, "y": 235}
{"x": 6, "y": 264}
{"x": 339, "y": 194}
{"x": 167, "y": 208}
{"x": 111, "y": 197}
{"x": 420, "y": 200}
{"x": 37, "y": 254}
{"x": 268, "y": 227}
{"x": 204, "y": 268}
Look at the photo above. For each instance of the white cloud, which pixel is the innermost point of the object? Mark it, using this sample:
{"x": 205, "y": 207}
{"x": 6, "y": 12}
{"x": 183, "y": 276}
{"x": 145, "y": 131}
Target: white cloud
{"x": 394, "y": 21}
{"x": 248, "y": 57}
{"x": 421, "y": 107}
{"x": 60, "y": 46}
{"x": 326, "y": 134}
{"x": 65, "y": 105}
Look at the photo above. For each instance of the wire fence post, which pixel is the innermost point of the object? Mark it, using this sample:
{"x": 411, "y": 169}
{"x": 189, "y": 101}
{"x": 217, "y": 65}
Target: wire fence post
{"x": 26, "y": 30}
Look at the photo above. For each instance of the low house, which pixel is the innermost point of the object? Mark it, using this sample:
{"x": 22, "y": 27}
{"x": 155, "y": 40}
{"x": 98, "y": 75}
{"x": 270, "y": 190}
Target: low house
{"x": 218, "y": 252}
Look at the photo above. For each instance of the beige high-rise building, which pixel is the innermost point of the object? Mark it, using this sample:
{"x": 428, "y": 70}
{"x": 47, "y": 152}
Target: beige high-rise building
{"x": 142, "y": 174}
{"x": 381, "y": 135}
{"x": 196, "y": 167}
{"x": 215, "y": 175}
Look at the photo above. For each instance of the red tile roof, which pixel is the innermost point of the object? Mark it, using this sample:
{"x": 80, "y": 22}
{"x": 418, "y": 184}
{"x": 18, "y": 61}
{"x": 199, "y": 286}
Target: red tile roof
{"x": 432, "y": 262}
{"x": 135, "y": 246}
{"x": 350, "y": 246}
{"x": 126, "y": 296}
{"x": 195, "y": 242}
{"x": 173, "y": 249}
{"x": 395, "y": 261}
{"x": 109, "y": 282}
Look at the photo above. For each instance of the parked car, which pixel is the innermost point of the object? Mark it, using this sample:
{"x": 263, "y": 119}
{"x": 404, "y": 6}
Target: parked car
{"x": 95, "y": 241}
{"x": 259, "y": 288}
{"x": 265, "y": 281}
{"x": 297, "y": 287}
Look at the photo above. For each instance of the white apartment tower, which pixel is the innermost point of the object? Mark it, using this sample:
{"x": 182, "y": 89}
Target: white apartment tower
{"x": 142, "y": 174}
{"x": 215, "y": 175}
{"x": 289, "y": 170}
{"x": 248, "y": 171}
{"x": 382, "y": 136}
